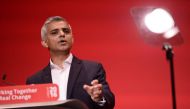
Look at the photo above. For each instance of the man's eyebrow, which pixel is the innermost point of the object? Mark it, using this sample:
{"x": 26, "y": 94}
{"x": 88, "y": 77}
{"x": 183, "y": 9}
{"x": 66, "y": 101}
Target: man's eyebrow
{"x": 54, "y": 30}
{"x": 66, "y": 28}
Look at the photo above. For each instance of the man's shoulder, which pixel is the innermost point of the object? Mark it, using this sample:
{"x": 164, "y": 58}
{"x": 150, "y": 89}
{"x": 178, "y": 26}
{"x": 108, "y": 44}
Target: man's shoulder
{"x": 86, "y": 61}
{"x": 91, "y": 63}
{"x": 42, "y": 71}
{"x": 38, "y": 75}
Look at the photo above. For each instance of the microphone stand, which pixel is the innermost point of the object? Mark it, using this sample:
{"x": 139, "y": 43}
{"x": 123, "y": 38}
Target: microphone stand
{"x": 4, "y": 81}
{"x": 169, "y": 57}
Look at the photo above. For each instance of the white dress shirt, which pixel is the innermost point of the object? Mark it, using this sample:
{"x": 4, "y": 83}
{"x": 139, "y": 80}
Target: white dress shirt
{"x": 60, "y": 76}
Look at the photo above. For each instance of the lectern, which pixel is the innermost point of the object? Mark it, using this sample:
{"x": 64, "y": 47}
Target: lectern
{"x": 38, "y": 96}
{"x": 65, "y": 104}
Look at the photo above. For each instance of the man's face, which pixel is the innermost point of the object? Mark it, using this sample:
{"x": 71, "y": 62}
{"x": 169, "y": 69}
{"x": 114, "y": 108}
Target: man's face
{"x": 59, "y": 36}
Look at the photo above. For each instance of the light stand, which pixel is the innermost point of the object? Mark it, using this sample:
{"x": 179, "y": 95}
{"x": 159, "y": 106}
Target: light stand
{"x": 150, "y": 22}
{"x": 169, "y": 57}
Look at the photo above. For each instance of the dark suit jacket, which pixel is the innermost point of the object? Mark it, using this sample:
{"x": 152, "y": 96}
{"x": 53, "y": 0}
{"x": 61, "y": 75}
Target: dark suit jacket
{"x": 81, "y": 72}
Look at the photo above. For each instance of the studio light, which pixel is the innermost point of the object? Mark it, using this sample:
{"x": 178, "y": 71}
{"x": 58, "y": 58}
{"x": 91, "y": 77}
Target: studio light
{"x": 161, "y": 22}
{"x": 157, "y": 27}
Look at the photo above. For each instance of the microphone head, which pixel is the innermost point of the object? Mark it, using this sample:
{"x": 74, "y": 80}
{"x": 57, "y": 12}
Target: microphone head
{"x": 4, "y": 77}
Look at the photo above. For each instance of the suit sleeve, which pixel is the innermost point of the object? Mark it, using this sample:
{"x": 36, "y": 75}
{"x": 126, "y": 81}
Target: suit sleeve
{"x": 107, "y": 94}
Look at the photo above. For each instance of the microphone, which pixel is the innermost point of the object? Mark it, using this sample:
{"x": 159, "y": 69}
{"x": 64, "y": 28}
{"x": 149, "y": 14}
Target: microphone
{"x": 4, "y": 77}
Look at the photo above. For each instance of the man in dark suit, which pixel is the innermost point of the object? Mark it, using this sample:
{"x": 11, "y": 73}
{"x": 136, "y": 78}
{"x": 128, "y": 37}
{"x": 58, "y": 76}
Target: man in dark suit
{"x": 78, "y": 79}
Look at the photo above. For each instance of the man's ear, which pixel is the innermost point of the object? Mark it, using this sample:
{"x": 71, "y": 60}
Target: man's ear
{"x": 72, "y": 40}
{"x": 44, "y": 44}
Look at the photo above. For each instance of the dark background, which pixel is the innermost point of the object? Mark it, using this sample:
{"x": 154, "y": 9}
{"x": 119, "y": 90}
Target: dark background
{"x": 104, "y": 31}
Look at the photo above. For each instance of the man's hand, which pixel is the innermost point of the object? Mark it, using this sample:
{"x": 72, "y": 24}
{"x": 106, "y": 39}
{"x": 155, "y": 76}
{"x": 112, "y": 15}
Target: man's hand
{"x": 94, "y": 90}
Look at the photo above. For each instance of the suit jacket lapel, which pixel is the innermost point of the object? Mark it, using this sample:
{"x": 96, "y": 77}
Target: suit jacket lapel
{"x": 47, "y": 74}
{"x": 74, "y": 73}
